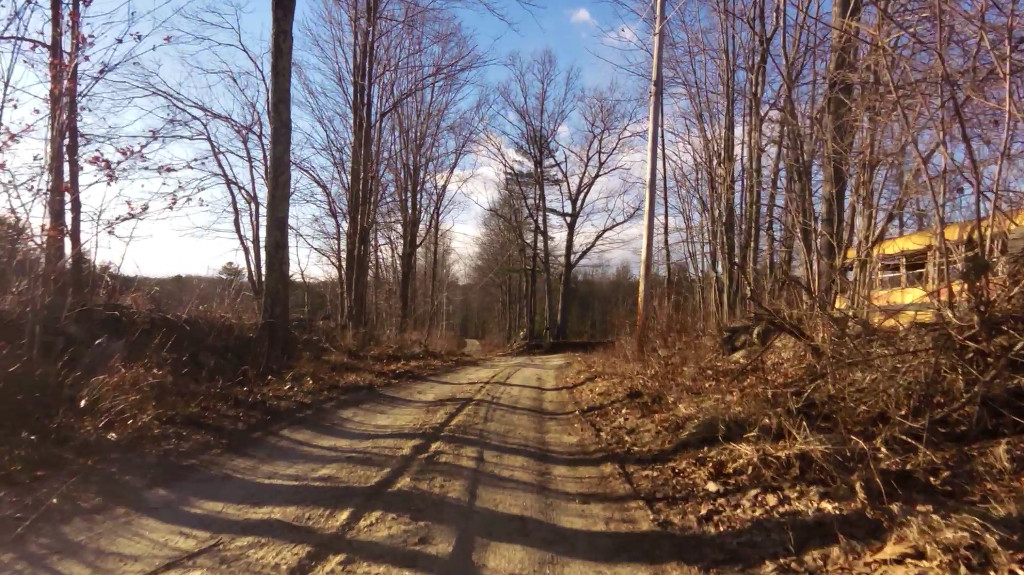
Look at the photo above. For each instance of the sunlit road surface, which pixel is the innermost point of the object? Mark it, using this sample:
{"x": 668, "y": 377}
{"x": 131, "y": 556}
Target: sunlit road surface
{"x": 487, "y": 469}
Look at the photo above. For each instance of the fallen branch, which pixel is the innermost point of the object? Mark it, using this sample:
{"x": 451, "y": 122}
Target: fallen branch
{"x": 185, "y": 558}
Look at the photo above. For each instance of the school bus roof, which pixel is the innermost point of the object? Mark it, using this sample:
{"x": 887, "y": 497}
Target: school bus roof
{"x": 954, "y": 233}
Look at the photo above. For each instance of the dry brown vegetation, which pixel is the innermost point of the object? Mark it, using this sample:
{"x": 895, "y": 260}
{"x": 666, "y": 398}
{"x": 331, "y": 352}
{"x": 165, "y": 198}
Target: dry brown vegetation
{"x": 798, "y": 138}
{"x": 166, "y": 384}
{"x": 893, "y": 451}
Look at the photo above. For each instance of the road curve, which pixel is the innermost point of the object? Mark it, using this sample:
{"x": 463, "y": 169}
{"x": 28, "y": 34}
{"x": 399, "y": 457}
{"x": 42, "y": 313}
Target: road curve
{"x": 487, "y": 469}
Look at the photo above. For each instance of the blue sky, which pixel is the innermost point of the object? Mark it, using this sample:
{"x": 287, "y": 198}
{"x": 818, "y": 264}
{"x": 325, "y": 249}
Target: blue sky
{"x": 181, "y": 242}
{"x": 573, "y": 29}
{"x": 569, "y": 27}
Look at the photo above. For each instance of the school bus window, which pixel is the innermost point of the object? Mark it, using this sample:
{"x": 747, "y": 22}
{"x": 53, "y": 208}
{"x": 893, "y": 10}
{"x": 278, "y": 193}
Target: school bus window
{"x": 938, "y": 278}
{"x": 937, "y": 263}
{"x": 917, "y": 267}
{"x": 890, "y": 273}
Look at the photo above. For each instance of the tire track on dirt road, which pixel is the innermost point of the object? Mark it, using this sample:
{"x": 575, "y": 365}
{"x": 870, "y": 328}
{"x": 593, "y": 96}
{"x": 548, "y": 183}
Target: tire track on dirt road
{"x": 513, "y": 487}
{"x": 483, "y": 471}
{"x": 335, "y": 543}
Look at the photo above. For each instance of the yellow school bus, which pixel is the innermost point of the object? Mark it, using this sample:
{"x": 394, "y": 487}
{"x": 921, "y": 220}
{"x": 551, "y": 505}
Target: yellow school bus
{"x": 907, "y": 273}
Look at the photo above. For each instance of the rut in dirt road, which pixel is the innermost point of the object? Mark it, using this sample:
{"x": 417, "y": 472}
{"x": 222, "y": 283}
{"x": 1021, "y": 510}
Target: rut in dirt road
{"x": 485, "y": 470}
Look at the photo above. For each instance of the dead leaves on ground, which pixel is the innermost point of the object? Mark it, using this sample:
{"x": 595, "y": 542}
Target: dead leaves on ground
{"x": 774, "y": 500}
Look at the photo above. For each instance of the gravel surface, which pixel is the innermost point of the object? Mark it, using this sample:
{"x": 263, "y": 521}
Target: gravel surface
{"x": 488, "y": 469}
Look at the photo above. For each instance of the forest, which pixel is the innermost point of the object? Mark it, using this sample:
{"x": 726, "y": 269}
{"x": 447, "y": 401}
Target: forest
{"x": 783, "y": 238}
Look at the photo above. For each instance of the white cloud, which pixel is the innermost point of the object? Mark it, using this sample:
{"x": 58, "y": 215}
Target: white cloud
{"x": 582, "y": 16}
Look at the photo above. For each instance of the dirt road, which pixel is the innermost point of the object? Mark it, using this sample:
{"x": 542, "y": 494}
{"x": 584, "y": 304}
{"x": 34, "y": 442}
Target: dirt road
{"x": 485, "y": 470}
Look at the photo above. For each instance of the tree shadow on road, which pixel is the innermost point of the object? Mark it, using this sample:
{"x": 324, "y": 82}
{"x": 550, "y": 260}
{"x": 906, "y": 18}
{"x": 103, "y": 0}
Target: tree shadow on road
{"x": 229, "y": 503}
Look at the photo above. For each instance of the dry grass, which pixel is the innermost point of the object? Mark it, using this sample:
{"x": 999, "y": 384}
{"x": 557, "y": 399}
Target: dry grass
{"x": 165, "y": 384}
{"x": 905, "y": 449}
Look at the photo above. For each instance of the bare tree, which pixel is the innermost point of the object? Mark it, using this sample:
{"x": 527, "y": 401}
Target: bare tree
{"x": 362, "y": 62}
{"x": 56, "y": 229}
{"x": 322, "y": 158}
{"x": 839, "y": 131}
{"x": 595, "y": 197}
{"x": 274, "y": 323}
{"x": 462, "y": 134}
{"x": 385, "y": 98}
{"x": 532, "y": 105}
{"x": 74, "y": 162}
{"x": 430, "y": 142}
{"x": 220, "y": 109}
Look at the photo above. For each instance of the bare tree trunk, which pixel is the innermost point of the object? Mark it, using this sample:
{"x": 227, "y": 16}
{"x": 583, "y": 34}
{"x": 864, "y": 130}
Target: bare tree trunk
{"x": 305, "y": 288}
{"x": 407, "y": 278}
{"x": 362, "y": 204}
{"x": 727, "y": 167}
{"x": 773, "y": 273}
{"x": 355, "y": 313}
{"x": 432, "y": 304}
{"x": 274, "y": 328}
{"x": 376, "y": 287}
{"x": 549, "y": 295}
{"x": 74, "y": 165}
{"x": 757, "y": 85}
{"x": 565, "y": 285}
{"x": 531, "y": 292}
{"x": 650, "y": 195}
{"x": 664, "y": 204}
{"x": 789, "y": 230}
{"x": 799, "y": 199}
{"x": 56, "y": 229}
{"x": 839, "y": 126}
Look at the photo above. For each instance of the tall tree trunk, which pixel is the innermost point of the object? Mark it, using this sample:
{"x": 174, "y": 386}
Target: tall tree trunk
{"x": 664, "y": 204}
{"x": 727, "y": 181}
{"x": 773, "y": 273}
{"x": 531, "y": 291}
{"x": 714, "y": 233}
{"x": 727, "y": 177}
{"x": 375, "y": 290}
{"x": 406, "y": 280}
{"x": 360, "y": 44}
{"x": 799, "y": 200}
{"x": 549, "y": 294}
{"x": 757, "y": 77}
{"x": 520, "y": 323}
{"x": 839, "y": 127}
{"x": 74, "y": 165}
{"x": 432, "y": 304}
{"x": 564, "y": 297}
{"x": 362, "y": 204}
{"x": 274, "y": 328}
{"x": 56, "y": 229}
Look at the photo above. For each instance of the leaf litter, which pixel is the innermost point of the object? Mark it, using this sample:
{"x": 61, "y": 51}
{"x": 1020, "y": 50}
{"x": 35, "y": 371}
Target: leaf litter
{"x": 874, "y": 459}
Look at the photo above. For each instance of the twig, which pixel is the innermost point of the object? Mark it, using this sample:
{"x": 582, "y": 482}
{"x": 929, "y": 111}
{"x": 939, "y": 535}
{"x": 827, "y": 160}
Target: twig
{"x": 49, "y": 500}
{"x": 185, "y": 558}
